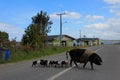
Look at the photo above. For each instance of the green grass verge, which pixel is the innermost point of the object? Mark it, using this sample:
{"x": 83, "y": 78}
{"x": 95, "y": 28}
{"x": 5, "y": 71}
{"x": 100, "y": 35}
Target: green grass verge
{"x": 22, "y": 55}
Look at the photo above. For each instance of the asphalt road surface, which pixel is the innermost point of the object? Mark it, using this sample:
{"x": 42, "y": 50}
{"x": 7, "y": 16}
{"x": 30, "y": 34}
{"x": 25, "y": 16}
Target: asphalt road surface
{"x": 110, "y": 69}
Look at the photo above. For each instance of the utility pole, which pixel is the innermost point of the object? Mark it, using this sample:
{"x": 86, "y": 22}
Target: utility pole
{"x": 60, "y": 14}
{"x": 80, "y": 38}
{"x": 80, "y": 33}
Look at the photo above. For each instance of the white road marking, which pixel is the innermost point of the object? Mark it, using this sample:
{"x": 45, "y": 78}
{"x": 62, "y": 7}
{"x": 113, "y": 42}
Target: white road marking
{"x": 62, "y": 72}
{"x": 98, "y": 49}
{"x": 59, "y": 74}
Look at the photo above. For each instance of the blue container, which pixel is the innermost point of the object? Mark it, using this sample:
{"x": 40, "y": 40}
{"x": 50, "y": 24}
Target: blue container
{"x": 7, "y": 57}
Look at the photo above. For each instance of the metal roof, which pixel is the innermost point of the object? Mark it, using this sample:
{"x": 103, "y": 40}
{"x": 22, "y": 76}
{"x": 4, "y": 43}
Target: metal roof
{"x": 87, "y": 39}
{"x": 51, "y": 37}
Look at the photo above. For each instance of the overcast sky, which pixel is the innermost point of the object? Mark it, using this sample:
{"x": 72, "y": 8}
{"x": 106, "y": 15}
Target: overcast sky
{"x": 95, "y": 18}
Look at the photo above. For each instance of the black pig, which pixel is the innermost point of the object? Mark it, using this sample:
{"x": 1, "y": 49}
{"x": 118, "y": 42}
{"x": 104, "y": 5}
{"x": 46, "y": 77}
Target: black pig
{"x": 84, "y": 56}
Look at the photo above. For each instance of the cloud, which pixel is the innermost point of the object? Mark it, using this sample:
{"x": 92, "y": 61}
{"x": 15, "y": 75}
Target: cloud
{"x": 116, "y": 12}
{"x": 112, "y": 1}
{"x": 3, "y": 24}
{"x": 12, "y": 30}
{"x": 107, "y": 30}
{"x": 94, "y": 17}
{"x": 73, "y": 15}
{"x": 69, "y": 15}
{"x": 54, "y": 16}
{"x": 111, "y": 24}
{"x": 114, "y": 6}
{"x": 97, "y": 26}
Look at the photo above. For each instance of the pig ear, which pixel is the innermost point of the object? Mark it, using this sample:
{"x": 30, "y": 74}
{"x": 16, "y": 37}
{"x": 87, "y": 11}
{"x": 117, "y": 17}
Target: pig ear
{"x": 100, "y": 58}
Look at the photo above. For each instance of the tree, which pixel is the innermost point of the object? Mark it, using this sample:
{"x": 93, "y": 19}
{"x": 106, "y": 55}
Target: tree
{"x": 4, "y": 38}
{"x": 36, "y": 32}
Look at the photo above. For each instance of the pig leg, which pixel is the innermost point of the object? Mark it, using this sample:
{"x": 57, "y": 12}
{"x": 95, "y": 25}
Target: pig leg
{"x": 71, "y": 62}
{"x": 91, "y": 63}
{"x": 85, "y": 64}
{"x": 75, "y": 63}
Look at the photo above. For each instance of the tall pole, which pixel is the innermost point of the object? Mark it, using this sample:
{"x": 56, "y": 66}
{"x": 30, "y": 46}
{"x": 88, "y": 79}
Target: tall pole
{"x": 80, "y": 38}
{"x": 60, "y": 14}
{"x": 80, "y": 33}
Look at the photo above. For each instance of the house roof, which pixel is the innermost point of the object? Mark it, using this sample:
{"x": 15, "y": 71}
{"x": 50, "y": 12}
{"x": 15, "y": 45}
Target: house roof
{"x": 51, "y": 37}
{"x": 87, "y": 39}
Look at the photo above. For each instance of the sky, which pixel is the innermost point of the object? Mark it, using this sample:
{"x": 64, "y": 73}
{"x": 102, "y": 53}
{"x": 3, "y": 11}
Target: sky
{"x": 92, "y": 18}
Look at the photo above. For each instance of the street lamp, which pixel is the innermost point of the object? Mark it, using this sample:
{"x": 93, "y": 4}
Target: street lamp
{"x": 60, "y": 14}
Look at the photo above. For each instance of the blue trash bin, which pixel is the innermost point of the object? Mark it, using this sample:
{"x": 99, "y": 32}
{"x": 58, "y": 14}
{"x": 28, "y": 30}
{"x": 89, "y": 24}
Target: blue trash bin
{"x": 7, "y": 57}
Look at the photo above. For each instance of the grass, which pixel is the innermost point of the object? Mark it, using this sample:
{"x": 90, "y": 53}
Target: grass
{"x": 22, "y": 55}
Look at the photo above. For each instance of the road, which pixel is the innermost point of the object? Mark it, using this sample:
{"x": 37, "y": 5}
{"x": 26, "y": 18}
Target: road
{"x": 110, "y": 69}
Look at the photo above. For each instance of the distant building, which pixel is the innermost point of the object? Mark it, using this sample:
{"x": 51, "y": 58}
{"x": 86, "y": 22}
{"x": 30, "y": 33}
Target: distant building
{"x": 54, "y": 40}
{"x": 89, "y": 41}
